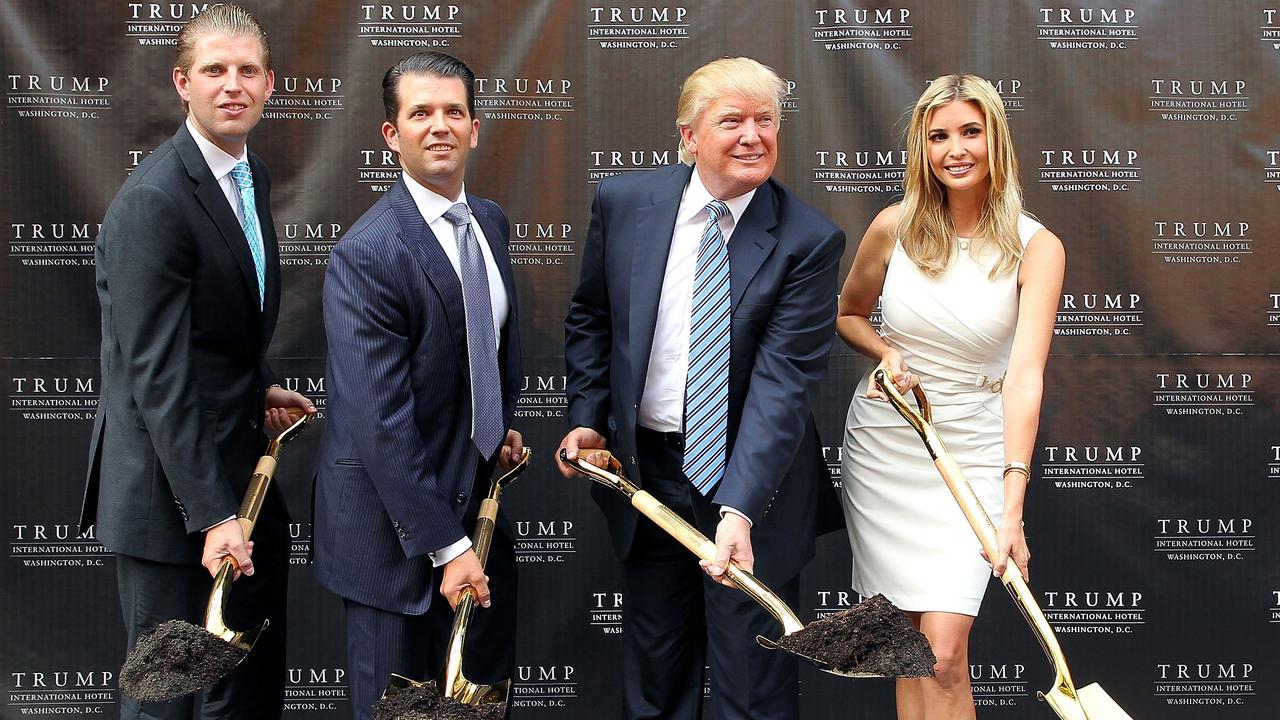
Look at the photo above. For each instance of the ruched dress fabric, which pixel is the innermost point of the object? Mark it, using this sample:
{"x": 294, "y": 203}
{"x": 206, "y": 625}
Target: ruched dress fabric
{"x": 910, "y": 540}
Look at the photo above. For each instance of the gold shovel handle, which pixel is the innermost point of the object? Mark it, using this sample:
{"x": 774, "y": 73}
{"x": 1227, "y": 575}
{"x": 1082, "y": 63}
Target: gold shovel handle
{"x": 981, "y": 525}
{"x": 684, "y": 533}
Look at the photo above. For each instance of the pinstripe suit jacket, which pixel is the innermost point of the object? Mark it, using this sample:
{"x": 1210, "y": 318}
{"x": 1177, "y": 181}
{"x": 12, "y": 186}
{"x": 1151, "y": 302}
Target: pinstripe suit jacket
{"x": 396, "y": 464}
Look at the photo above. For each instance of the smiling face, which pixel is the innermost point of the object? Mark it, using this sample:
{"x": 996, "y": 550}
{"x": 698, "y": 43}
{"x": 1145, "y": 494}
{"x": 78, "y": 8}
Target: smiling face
{"x": 226, "y": 88}
{"x": 734, "y": 143}
{"x": 433, "y": 131}
{"x": 957, "y": 145}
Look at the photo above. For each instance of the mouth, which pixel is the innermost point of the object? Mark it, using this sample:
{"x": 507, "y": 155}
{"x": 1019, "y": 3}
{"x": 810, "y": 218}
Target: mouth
{"x": 749, "y": 157}
{"x": 958, "y": 169}
{"x": 439, "y": 147}
{"x": 233, "y": 108}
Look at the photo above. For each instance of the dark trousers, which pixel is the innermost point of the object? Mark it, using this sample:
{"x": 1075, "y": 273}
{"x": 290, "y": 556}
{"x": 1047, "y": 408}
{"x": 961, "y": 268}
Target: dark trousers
{"x": 675, "y": 619}
{"x": 380, "y": 642}
{"x": 153, "y": 592}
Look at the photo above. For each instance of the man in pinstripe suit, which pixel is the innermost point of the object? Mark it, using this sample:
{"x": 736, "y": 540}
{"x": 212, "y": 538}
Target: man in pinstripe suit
{"x": 424, "y": 373}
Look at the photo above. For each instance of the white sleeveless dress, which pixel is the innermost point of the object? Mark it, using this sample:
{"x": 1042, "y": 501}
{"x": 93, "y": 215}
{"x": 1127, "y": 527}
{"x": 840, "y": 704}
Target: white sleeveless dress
{"x": 910, "y": 541}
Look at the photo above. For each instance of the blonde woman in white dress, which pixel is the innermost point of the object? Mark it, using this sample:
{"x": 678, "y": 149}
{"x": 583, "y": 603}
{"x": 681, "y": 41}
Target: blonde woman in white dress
{"x": 969, "y": 287}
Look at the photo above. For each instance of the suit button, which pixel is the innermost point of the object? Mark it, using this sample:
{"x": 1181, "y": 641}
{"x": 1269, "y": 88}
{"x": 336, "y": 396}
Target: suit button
{"x": 632, "y": 459}
{"x": 461, "y": 498}
{"x": 253, "y": 424}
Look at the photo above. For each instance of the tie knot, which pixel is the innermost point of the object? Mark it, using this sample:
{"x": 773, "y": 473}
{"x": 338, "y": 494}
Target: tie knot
{"x": 717, "y": 209}
{"x": 459, "y": 214}
{"x": 241, "y": 174}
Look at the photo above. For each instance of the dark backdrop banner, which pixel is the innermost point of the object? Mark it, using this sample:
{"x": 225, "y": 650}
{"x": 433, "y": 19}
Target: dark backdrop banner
{"x": 1149, "y": 136}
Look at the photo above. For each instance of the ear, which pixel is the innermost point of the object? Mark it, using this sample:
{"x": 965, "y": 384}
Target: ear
{"x": 475, "y": 132}
{"x": 182, "y": 84}
{"x": 690, "y": 142}
{"x": 391, "y": 135}
{"x": 271, "y": 84}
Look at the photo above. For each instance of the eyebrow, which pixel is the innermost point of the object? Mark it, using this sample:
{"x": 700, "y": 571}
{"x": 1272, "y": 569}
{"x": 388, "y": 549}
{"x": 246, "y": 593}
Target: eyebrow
{"x": 971, "y": 123}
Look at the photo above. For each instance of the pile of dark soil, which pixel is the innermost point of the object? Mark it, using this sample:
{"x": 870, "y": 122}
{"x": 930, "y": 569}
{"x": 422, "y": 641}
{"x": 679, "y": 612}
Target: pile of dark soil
{"x": 873, "y": 636}
{"x": 175, "y": 659}
{"x": 421, "y": 702}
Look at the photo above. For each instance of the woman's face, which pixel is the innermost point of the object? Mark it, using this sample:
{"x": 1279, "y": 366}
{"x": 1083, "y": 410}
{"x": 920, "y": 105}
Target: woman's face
{"x": 957, "y": 141}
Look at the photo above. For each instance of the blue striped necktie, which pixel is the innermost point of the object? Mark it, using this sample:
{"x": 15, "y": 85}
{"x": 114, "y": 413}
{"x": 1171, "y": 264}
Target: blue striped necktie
{"x": 482, "y": 347}
{"x": 244, "y": 182}
{"x": 707, "y": 389}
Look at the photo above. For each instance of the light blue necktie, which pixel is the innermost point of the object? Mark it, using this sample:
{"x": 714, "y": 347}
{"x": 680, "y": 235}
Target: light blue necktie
{"x": 244, "y": 181}
{"x": 482, "y": 349}
{"x": 707, "y": 389}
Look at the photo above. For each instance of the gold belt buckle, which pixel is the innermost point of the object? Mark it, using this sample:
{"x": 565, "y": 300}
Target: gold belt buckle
{"x": 995, "y": 386}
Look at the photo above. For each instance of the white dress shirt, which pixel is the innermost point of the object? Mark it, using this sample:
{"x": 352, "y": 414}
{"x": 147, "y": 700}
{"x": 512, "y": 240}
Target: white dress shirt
{"x": 433, "y": 206}
{"x": 662, "y": 405}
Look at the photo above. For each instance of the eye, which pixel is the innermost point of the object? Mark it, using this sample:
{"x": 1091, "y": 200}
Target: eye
{"x": 973, "y": 131}
{"x": 765, "y": 120}
{"x": 730, "y": 123}
{"x": 455, "y": 112}
{"x": 937, "y": 136}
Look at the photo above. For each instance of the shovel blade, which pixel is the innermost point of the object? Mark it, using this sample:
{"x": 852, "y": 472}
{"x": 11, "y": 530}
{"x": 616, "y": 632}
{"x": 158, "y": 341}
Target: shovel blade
{"x": 469, "y": 693}
{"x": 400, "y": 682}
{"x": 1091, "y": 702}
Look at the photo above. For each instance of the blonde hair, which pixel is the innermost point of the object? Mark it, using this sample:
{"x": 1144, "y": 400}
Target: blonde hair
{"x": 726, "y": 76}
{"x": 222, "y": 18}
{"x": 924, "y": 223}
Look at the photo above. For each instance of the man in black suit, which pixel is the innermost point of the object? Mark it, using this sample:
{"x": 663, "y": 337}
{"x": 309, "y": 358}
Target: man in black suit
{"x": 424, "y": 374}
{"x": 694, "y": 345}
{"x": 189, "y": 285}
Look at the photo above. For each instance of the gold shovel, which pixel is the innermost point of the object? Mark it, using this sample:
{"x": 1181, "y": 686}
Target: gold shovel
{"x": 452, "y": 683}
{"x": 250, "y": 507}
{"x": 1090, "y": 702}
{"x": 698, "y": 544}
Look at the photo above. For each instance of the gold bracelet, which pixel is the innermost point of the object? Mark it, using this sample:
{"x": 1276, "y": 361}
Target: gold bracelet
{"x": 1019, "y": 467}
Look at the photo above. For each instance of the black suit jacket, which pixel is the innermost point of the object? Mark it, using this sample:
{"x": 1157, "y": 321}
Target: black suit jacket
{"x": 783, "y": 260}
{"x": 397, "y": 466}
{"x": 183, "y": 344}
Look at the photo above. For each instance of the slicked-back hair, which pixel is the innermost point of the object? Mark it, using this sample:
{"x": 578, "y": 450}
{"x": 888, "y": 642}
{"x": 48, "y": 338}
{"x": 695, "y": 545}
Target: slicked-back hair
{"x": 224, "y": 19}
{"x": 435, "y": 64}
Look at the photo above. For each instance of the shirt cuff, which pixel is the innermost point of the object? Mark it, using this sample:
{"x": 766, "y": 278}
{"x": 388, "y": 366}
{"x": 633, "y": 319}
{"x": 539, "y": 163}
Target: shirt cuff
{"x": 220, "y": 522}
{"x": 448, "y": 553}
{"x": 726, "y": 509}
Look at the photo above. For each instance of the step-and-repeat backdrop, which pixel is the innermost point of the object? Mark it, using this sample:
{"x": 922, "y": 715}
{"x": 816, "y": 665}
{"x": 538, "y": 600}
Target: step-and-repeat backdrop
{"x": 1149, "y": 134}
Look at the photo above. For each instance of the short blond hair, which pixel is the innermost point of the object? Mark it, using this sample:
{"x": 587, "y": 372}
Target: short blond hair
{"x": 726, "y": 76}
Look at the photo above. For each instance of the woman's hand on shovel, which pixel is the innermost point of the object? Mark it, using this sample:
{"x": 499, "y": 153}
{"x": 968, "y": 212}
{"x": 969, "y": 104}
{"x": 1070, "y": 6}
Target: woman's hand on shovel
{"x": 227, "y": 539}
{"x": 1011, "y": 543}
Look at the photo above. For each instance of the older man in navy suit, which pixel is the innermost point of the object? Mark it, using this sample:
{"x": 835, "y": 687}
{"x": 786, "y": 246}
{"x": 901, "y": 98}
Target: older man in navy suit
{"x": 424, "y": 373}
{"x": 695, "y": 343}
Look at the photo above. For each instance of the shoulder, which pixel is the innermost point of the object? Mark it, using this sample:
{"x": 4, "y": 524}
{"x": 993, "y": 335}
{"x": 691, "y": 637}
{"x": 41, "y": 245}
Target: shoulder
{"x": 486, "y": 206}
{"x": 1044, "y": 252}
{"x": 631, "y": 184}
{"x": 797, "y": 215}
{"x": 372, "y": 230}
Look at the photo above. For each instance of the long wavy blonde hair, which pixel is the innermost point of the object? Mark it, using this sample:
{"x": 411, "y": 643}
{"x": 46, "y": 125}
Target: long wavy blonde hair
{"x": 924, "y": 224}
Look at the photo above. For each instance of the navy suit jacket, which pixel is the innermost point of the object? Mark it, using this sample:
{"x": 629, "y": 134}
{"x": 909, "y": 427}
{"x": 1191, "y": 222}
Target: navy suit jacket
{"x": 396, "y": 465}
{"x": 783, "y": 261}
{"x": 183, "y": 356}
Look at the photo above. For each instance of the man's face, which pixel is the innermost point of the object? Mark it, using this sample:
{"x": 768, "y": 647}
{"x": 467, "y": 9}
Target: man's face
{"x": 735, "y": 144}
{"x": 226, "y": 88}
{"x": 433, "y": 131}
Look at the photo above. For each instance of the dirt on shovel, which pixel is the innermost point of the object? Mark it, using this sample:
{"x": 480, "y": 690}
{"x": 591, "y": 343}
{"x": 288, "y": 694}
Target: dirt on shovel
{"x": 873, "y": 636}
{"x": 422, "y": 702}
{"x": 175, "y": 659}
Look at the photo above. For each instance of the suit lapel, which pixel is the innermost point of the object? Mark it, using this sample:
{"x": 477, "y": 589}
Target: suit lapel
{"x": 425, "y": 248}
{"x": 211, "y": 197}
{"x": 650, "y": 247}
{"x": 270, "y": 248}
{"x": 751, "y": 241}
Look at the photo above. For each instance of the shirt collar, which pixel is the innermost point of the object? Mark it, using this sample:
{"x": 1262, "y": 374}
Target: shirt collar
{"x": 219, "y": 162}
{"x": 697, "y": 196}
{"x": 431, "y": 205}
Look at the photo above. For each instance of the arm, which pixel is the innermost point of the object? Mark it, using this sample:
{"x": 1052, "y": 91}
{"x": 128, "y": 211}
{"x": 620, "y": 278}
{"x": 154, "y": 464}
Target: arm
{"x": 149, "y": 262}
{"x": 862, "y": 288}
{"x": 790, "y": 362}
{"x": 366, "y": 322}
{"x": 587, "y": 345}
{"x": 1040, "y": 287}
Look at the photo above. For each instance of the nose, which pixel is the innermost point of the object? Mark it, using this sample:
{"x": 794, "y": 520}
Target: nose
{"x": 438, "y": 125}
{"x": 955, "y": 148}
{"x": 750, "y": 133}
{"x": 231, "y": 81}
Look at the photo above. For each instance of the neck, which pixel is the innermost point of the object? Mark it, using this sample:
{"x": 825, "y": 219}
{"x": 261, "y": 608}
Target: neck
{"x": 446, "y": 189}
{"x": 965, "y": 208}
{"x": 233, "y": 146}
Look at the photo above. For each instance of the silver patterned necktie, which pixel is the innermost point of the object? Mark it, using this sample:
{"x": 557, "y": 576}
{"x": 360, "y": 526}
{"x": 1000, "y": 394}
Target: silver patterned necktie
{"x": 482, "y": 348}
{"x": 707, "y": 388}
{"x": 252, "y": 235}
